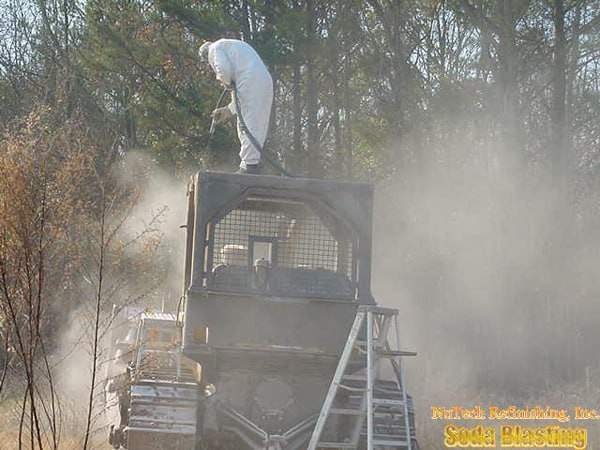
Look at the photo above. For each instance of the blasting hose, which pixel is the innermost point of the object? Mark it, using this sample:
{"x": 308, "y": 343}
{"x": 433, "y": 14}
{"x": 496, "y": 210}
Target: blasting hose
{"x": 213, "y": 123}
{"x": 270, "y": 158}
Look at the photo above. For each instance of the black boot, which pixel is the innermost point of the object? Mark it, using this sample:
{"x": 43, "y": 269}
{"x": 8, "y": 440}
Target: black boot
{"x": 250, "y": 169}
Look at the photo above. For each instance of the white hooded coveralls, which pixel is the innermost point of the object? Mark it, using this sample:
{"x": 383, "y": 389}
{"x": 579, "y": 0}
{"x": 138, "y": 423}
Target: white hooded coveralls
{"x": 237, "y": 62}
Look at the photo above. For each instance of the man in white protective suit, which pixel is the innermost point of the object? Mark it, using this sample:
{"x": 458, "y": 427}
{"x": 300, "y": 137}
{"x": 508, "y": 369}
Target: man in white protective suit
{"x": 238, "y": 67}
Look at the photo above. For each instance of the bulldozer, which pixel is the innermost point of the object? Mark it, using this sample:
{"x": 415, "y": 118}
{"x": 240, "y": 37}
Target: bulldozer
{"x": 277, "y": 342}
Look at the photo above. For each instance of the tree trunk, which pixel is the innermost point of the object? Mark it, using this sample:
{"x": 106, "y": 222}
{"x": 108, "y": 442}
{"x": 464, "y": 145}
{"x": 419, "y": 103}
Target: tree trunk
{"x": 559, "y": 144}
{"x": 508, "y": 79}
{"x": 313, "y": 166}
{"x": 297, "y": 148}
{"x": 336, "y": 104}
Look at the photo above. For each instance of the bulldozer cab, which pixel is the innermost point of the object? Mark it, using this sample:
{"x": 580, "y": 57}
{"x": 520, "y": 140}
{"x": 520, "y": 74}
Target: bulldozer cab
{"x": 279, "y": 237}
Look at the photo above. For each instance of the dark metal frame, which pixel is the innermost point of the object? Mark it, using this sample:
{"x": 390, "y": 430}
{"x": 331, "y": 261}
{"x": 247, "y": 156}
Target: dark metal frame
{"x": 216, "y": 194}
{"x": 310, "y": 202}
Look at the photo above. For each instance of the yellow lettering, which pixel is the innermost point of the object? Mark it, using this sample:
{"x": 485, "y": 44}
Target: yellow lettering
{"x": 507, "y": 438}
{"x": 437, "y": 412}
{"x": 494, "y": 412}
{"x": 580, "y": 439}
{"x": 450, "y": 438}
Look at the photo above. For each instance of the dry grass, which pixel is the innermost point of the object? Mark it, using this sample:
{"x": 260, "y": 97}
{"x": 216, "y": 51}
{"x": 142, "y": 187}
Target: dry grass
{"x": 71, "y": 438}
{"x": 8, "y": 441}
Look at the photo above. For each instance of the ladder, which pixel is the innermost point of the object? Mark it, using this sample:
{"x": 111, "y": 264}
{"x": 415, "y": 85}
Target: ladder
{"x": 356, "y": 392}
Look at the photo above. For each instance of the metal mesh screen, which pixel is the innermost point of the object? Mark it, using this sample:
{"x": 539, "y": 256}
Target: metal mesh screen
{"x": 305, "y": 255}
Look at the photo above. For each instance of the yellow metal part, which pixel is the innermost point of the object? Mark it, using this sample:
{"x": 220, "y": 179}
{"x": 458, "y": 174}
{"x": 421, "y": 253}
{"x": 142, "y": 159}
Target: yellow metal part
{"x": 201, "y": 335}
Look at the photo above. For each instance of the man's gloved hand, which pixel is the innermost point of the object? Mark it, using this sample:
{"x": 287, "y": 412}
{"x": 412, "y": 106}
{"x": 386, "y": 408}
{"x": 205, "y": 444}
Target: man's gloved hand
{"x": 220, "y": 115}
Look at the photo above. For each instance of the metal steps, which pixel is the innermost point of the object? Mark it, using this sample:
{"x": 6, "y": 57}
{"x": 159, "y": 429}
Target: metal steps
{"x": 356, "y": 393}
{"x": 336, "y": 445}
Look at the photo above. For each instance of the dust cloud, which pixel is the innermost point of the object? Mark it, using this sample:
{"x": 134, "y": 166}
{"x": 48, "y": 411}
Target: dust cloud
{"x": 161, "y": 210}
{"x": 494, "y": 269}
{"x": 146, "y": 274}
{"x": 494, "y": 272}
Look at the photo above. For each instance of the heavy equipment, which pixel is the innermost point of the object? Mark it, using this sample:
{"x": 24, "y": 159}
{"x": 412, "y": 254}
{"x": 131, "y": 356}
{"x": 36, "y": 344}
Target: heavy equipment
{"x": 278, "y": 342}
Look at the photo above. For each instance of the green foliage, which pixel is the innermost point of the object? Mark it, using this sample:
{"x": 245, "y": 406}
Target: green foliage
{"x": 153, "y": 88}
{"x": 362, "y": 87}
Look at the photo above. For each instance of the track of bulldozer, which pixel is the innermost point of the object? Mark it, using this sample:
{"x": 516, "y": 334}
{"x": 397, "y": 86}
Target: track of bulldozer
{"x": 164, "y": 396}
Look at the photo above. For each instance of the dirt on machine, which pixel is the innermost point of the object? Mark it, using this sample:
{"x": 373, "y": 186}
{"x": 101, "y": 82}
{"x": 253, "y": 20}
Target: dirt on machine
{"x": 278, "y": 343}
